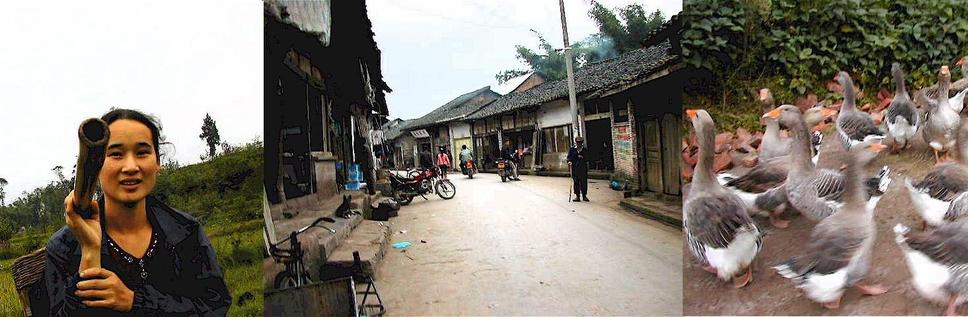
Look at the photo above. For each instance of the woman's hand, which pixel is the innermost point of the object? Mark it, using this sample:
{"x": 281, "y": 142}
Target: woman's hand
{"x": 103, "y": 289}
{"x": 86, "y": 231}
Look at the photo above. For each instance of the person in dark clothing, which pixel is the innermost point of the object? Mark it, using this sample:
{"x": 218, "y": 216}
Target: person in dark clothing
{"x": 508, "y": 153}
{"x": 135, "y": 256}
{"x": 578, "y": 165}
{"x": 426, "y": 159}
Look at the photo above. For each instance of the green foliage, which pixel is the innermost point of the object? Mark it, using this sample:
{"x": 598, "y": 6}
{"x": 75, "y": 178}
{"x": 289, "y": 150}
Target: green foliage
{"x": 210, "y": 135}
{"x": 226, "y": 188}
{"x": 806, "y": 43}
{"x": 613, "y": 39}
{"x": 631, "y": 35}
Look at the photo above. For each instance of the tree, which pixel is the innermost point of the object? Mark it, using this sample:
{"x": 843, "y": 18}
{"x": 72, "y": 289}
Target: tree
{"x": 631, "y": 35}
{"x": 3, "y": 183}
{"x": 547, "y": 62}
{"x": 210, "y": 134}
{"x": 59, "y": 172}
{"x": 614, "y": 38}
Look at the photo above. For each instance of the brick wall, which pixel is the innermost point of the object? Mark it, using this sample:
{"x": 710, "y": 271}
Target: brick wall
{"x": 624, "y": 145}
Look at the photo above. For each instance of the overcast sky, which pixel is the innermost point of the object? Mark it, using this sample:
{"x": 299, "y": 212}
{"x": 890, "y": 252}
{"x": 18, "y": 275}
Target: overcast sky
{"x": 64, "y": 61}
{"x": 436, "y": 50}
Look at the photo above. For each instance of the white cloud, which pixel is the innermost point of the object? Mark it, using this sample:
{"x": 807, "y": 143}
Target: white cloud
{"x": 66, "y": 61}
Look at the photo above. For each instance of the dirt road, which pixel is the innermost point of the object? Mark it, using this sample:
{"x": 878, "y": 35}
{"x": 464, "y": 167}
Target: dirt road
{"x": 519, "y": 248}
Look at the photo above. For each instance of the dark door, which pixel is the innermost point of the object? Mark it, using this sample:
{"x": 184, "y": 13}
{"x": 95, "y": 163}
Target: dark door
{"x": 599, "y": 144}
{"x": 653, "y": 156}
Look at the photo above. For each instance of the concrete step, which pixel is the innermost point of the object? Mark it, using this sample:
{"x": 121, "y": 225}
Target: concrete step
{"x": 318, "y": 245}
{"x": 370, "y": 238}
{"x": 669, "y": 213}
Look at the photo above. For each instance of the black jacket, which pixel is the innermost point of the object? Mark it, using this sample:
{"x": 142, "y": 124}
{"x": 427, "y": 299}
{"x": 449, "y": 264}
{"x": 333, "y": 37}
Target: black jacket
{"x": 184, "y": 277}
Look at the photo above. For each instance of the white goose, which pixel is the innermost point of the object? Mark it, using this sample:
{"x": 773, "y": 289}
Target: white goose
{"x": 719, "y": 230}
{"x": 942, "y": 195}
{"x": 838, "y": 253}
{"x": 902, "y": 116}
{"x": 943, "y": 120}
{"x": 938, "y": 261}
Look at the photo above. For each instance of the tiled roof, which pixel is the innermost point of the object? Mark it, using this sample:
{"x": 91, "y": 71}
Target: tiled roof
{"x": 453, "y": 110}
{"x": 606, "y": 74}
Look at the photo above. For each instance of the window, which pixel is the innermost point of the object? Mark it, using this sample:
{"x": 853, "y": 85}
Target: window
{"x": 493, "y": 123}
{"x": 525, "y": 119}
{"x": 557, "y": 139}
{"x": 507, "y": 122}
{"x": 621, "y": 112}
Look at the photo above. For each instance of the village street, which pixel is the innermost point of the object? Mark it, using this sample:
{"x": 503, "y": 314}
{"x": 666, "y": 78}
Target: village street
{"x": 519, "y": 248}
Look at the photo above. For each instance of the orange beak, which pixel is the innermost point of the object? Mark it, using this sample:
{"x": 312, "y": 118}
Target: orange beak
{"x": 691, "y": 113}
{"x": 877, "y": 147}
{"x": 827, "y": 112}
{"x": 944, "y": 70}
{"x": 961, "y": 61}
{"x": 775, "y": 113}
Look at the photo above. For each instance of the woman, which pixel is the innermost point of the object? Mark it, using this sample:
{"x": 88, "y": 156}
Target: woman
{"x": 136, "y": 256}
{"x": 443, "y": 161}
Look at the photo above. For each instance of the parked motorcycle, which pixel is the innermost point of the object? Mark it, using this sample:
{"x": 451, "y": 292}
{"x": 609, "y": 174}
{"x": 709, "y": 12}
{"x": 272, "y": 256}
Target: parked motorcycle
{"x": 426, "y": 181}
{"x": 468, "y": 169}
{"x": 504, "y": 170}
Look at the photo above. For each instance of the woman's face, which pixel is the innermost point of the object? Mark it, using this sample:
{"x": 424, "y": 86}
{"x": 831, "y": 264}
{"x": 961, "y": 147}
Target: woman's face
{"x": 130, "y": 164}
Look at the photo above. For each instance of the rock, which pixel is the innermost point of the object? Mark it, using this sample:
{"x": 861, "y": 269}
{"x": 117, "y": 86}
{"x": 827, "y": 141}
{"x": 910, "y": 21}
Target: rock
{"x": 722, "y": 162}
{"x": 878, "y": 117}
{"x": 806, "y": 102}
{"x": 687, "y": 173}
{"x": 750, "y": 160}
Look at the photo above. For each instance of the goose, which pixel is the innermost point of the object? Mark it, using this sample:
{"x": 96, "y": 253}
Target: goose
{"x": 942, "y": 122}
{"x": 930, "y": 94}
{"x": 774, "y": 145}
{"x": 719, "y": 230}
{"x": 938, "y": 261}
{"x": 838, "y": 253}
{"x": 819, "y": 192}
{"x": 761, "y": 187}
{"x": 853, "y": 126}
{"x": 903, "y": 118}
{"x": 942, "y": 195}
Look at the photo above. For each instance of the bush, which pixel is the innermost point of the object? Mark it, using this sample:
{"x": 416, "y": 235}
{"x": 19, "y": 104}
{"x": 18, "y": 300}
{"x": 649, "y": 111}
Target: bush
{"x": 805, "y": 43}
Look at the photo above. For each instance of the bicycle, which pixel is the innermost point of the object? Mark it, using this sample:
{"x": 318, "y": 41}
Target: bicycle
{"x": 341, "y": 285}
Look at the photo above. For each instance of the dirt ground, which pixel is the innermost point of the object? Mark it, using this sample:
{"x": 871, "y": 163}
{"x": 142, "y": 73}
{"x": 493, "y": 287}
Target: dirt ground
{"x": 771, "y": 294}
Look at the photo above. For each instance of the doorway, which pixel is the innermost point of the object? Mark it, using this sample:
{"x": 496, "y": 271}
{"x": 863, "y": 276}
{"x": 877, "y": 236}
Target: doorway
{"x": 598, "y": 141}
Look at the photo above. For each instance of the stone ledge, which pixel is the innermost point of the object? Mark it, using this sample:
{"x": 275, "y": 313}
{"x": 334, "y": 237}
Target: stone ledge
{"x": 662, "y": 212}
{"x": 371, "y": 239}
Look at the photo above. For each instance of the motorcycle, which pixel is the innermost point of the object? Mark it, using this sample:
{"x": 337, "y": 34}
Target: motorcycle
{"x": 504, "y": 169}
{"x": 424, "y": 182}
{"x": 468, "y": 169}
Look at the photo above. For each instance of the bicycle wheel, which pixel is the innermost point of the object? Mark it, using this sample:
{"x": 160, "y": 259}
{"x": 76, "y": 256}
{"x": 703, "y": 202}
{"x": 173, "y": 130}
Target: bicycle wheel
{"x": 445, "y": 189}
{"x": 286, "y": 279}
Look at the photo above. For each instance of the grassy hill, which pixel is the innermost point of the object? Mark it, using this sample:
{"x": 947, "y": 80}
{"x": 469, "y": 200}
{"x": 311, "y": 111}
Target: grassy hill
{"x": 224, "y": 193}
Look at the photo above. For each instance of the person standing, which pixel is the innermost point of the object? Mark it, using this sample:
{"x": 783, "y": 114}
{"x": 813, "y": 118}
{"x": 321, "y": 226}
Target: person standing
{"x": 443, "y": 161}
{"x": 578, "y": 164}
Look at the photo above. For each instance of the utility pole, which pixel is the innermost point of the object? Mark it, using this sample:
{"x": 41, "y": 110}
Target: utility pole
{"x": 575, "y": 128}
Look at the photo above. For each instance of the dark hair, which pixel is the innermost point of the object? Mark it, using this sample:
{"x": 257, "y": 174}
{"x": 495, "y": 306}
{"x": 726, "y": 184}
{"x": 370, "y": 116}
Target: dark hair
{"x": 463, "y": 146}
{"x": 151, "y": 122}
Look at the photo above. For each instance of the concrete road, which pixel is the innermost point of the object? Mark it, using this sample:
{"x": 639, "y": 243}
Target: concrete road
{"x": 519, "y": 248}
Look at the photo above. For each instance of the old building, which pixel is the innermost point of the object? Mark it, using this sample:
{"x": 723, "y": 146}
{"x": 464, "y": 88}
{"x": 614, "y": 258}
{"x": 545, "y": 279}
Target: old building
{"x": 444, "y": 126}
{"x": 324, "y": 88}
{"x": 629, "y": 109}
